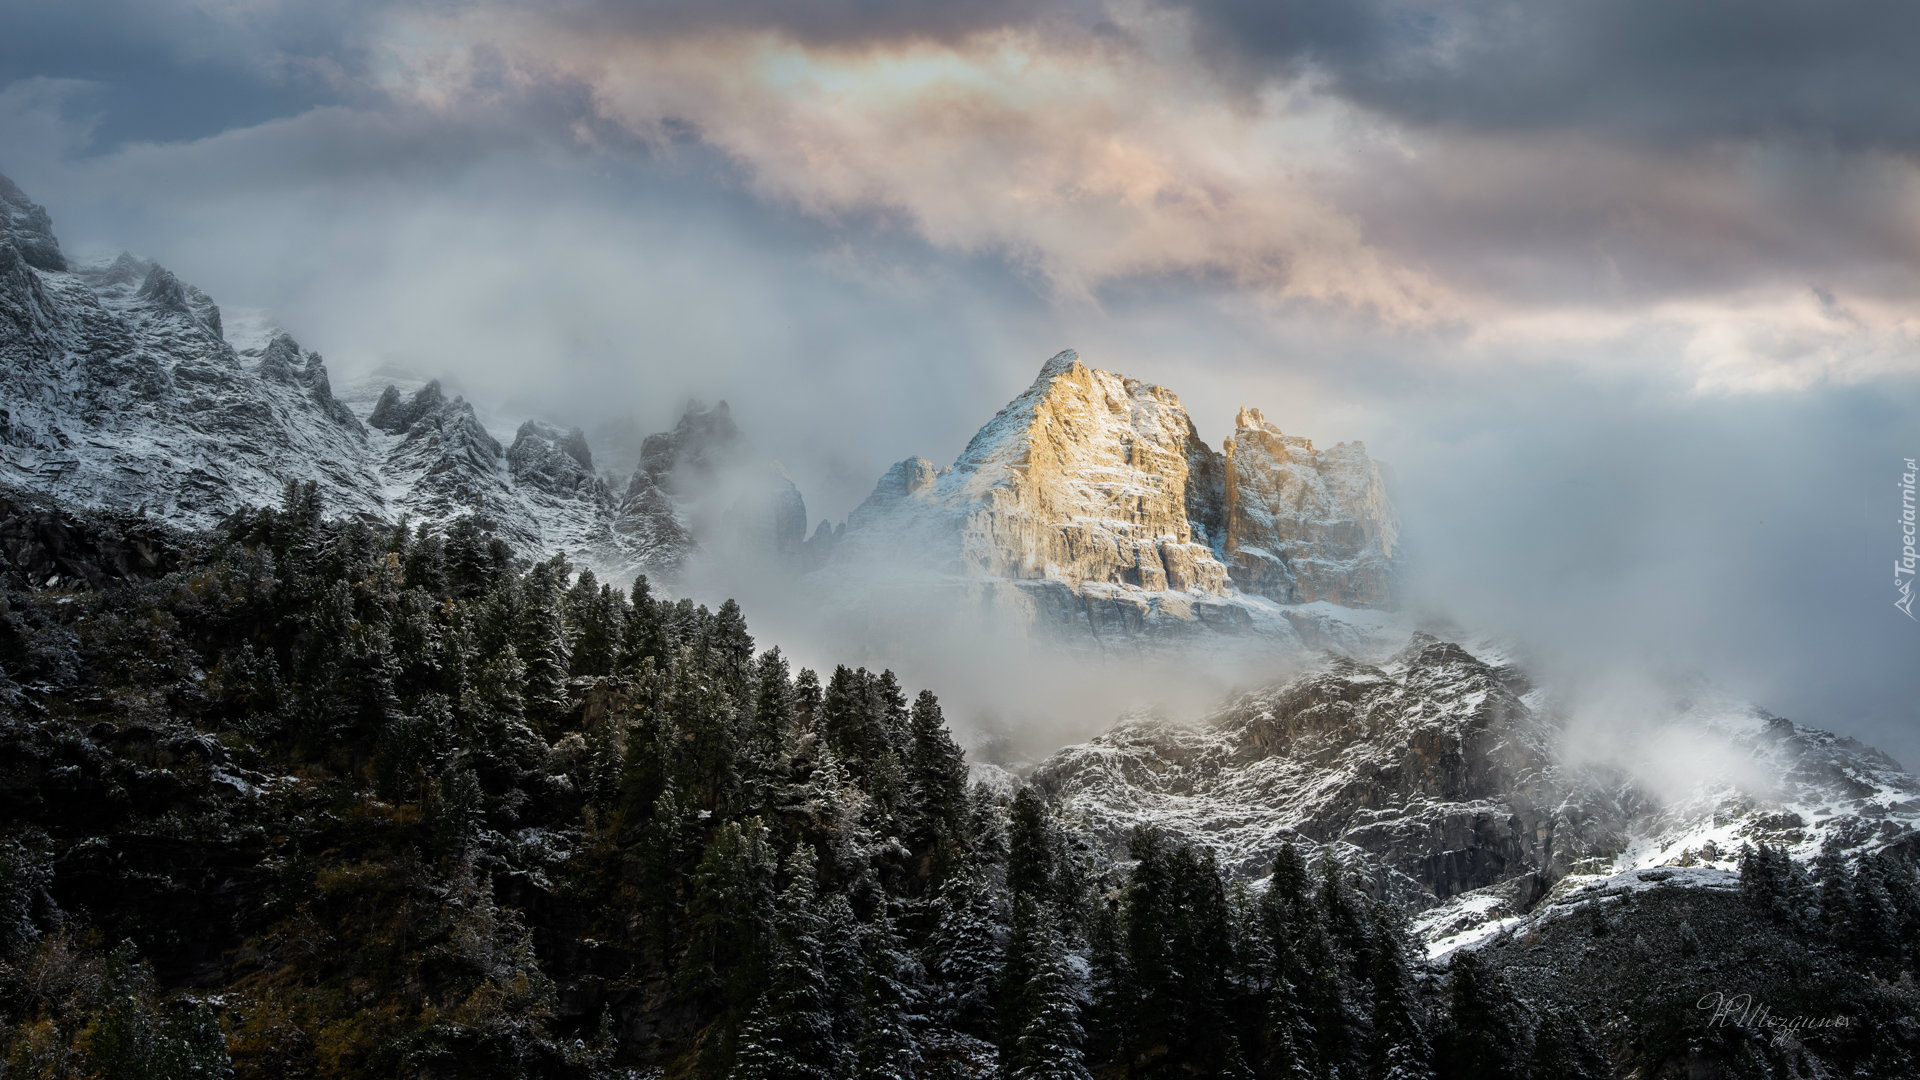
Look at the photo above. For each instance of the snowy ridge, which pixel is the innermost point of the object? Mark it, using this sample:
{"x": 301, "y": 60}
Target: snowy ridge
{"x": 123, "y": 387}
{"x": 1448, "y": 779}
{"x": 1088, "y": 509}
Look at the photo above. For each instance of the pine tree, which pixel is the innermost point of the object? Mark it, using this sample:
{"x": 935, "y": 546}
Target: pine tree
{"x": 887, "y": 1050}
{"x": 1049, "y": 1043}
{"x": 1332, "y": 1044}
{"x": 1030, "y": 850}
{"x": 1689, "y": 940}
{"x": 1876, "y": 921}
{"x": 1202, "y": 955}
{"x": 765, "y": 744}
{"x": 644, "y": 636}
{"x": 965, "y": 952}
{"x": 731, "y": 649}
{"x": 790, "y": 1032}
{"x": 596, "y": 617}
{"x": 841, "y": 958}
{"x": 1343, "y": 909}
{"x": 807, "y": 701}
{"x": 1149, "y": 933}
{"x": 545, "y": 643}
{"x": 1564, "y": 1049}
{"x": 730, "y": 899}
{"x": 1398, "y": 1048}
{"x": 1483, "y": 1038}
{"x": 710, "y": 728}
{"x": 936, "y": 777}
{"x": 1833, "y": 880}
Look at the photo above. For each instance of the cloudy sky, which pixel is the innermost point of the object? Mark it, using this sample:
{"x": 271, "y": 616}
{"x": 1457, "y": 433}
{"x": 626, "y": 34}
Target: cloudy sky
{"x": 1624, "y": 290}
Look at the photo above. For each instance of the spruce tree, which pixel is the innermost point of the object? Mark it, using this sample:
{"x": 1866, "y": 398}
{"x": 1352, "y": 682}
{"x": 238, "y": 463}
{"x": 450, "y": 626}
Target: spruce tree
{"x": 1149, "y": 935}
{"x": 1398, "y": 1048}
{"x": 1484, "y": 1037}
{"x": 1050, "y": 1040}
{"x": 841, "y": 958}
{"x": 1202, "y": 958}
{"x": 766, "y": 741}
{"x": 790, "y": 1034}
{"x": 887, "y": 1049}
{"x": 1283, "y": 911}
{"x": 936, "y": 777}
{"x": 545, "y": 643}
{"x": 644, "y": 635}
{"x": 1833, "y": 881}
{"x": 966, "y": 952}
{"x": 1030, "y": 851}
{"x": 729, "y": 903}
{"x": 1564, "y": 1049}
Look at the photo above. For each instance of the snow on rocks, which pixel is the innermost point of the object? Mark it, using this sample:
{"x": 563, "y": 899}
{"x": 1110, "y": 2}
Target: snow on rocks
{"x": 1093, "y": 500}
{"x": 1447, "y": 780}
{"x": 123, "y": 387}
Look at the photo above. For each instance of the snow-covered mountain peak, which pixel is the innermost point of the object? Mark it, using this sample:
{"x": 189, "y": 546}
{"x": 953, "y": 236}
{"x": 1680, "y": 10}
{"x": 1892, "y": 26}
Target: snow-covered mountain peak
{"x": 1089, "y": 506}
{"x": 396, "y": 415}
{"x": 26, "y": 226}
{"x": 1462, "y": 787}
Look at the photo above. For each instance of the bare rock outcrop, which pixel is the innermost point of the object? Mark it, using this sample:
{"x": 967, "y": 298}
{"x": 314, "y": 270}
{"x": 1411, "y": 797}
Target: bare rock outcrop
{"x": 1095, "y": 495}
{"x": 1451, "y": 775}
{"x": 1305, "y": 524}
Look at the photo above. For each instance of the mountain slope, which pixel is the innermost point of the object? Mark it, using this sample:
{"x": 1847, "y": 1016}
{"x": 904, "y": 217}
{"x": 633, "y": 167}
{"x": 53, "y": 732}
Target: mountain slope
{"x": 121, "y": 387}
{"x": 1450, "y": 777}
{"x": 1090, "y": 508}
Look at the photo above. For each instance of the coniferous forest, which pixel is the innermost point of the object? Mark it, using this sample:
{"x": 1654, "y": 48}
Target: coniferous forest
{"x": 309, "y": 798}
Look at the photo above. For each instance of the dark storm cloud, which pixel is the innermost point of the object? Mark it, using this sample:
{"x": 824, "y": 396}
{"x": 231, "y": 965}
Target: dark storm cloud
{"x": 1670, "y": 73}
{"x": 420, "y": 184}
{"x": 163, "y": 70}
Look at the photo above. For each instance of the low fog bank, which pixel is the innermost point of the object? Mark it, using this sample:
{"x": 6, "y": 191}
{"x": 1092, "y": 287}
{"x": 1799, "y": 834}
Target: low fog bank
{"x": 1641, "y": 539}
{"x": 1633, "y": 552}
{"x": 1012, "y": 694}
{"x": 1595, "y": 507}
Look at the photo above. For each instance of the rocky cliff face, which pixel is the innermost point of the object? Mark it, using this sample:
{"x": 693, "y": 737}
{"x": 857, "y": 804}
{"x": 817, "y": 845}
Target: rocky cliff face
{"x": 1305, "y": 524}
{"x": 1447, "y": 776}
{"x": 704, "y": 478}
{"x": 122, "y": 387}
{"x": 1093, "y": 502}
{"x": 119, "y": 388}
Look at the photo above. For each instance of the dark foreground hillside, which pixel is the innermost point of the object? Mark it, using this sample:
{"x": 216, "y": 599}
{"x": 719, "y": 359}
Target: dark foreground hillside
{"x": 304, "y": 798}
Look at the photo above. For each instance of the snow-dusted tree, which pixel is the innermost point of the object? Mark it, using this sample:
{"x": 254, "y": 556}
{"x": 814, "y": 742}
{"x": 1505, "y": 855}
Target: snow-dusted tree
{"x": 596, "y": 616}
{"x": 845, "y": 967}
{"x": 1564, "y": 1049}
{"x": 730, "y": 906}
{"x": 936, "y": 780}
{"x": 1484, "y": 1036}
{"x": 790, "y": 1032}
{"x": 887, "y": 1050}
{"x": 766, "y": 741}
{"x": 644, "y": 636}
{"x": 1050, "y": 1041}
{"x": 1030, "y": 847}
{"x": 1398, "y": 1047}
{"x": 965, "y": 952}
{"x": 545, "y": 642}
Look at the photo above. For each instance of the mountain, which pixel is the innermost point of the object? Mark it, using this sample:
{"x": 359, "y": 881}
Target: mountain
{"x": 284, "y": 795}
{"x": 705, "y": 479}
{"x": 1090, "y": 508}
{"x": 293, "y": 798}
{"x": 1459, "y": 785}
{"x": 121, "y": 387}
